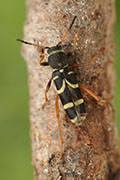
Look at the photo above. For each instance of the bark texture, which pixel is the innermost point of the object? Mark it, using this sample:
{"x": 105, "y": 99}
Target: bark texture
{"x": 91, "y": 151}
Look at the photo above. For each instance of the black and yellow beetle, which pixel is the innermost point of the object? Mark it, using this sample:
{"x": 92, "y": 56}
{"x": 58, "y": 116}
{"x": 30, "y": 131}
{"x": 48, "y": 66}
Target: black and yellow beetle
{"x": 63, "y": 76}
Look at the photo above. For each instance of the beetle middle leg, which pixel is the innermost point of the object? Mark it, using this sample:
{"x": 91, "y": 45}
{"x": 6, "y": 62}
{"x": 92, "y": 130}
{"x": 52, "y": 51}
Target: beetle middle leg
{"x": 93, "y": 58}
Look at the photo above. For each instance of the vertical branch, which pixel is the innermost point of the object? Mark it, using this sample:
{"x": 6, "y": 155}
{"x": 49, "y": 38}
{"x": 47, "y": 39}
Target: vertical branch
{"x": 91, "y": 151}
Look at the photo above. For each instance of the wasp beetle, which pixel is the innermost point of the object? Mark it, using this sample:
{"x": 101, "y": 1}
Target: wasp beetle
{"x": 64, "y": 79}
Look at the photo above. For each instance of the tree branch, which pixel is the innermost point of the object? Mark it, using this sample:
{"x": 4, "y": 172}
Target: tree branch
{"x": 91, "y": 151}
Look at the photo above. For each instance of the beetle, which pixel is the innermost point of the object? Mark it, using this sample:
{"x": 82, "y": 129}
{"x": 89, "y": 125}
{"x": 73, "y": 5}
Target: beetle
{"x": 64, "y": 79}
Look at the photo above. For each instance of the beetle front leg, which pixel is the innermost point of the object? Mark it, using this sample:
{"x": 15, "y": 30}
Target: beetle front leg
{"x": 89, "y": 62}
{"x": 46, "y": 91}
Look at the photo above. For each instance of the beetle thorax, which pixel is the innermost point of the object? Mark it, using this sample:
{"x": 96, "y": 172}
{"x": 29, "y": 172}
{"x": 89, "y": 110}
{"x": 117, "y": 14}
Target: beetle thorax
{"x": 56, "y": 57}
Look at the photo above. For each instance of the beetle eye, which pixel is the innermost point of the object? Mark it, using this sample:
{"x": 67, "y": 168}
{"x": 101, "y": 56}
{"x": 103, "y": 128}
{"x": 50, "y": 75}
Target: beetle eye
{"x": 42, "y": 50}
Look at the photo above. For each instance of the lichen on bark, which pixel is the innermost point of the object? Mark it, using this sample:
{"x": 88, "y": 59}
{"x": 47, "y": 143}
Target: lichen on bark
{"x": 91, "y": 151}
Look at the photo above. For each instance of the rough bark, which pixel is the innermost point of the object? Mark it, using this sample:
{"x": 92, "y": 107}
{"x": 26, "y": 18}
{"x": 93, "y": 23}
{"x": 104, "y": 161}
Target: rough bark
{"x": 91, "y": 151}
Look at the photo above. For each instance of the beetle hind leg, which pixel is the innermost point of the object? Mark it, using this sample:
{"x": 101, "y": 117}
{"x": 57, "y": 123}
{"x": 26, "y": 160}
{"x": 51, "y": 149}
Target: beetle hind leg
{"x": 59, "y": 125}
{"x": 101, "y": 101}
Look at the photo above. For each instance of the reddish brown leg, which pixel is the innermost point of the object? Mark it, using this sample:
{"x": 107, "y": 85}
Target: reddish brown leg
{"x": 42, "y": 56}
{"x": 46, "y": 91}
{"x": 88, "y": 63}
{"x": 59, "y": 125}
{"x": 97, "y": 98}
{"x": 44, "y": 64}
{"x": 94, "y": 57}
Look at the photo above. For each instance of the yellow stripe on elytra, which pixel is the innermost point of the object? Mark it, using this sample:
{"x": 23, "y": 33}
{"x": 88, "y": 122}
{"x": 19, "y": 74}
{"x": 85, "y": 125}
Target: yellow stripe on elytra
{"x": 83, "y": 118}
{"x": 65, "y": 66}
{"x": 56, "y": 77}
{"x": 77, "y": 121}
{"x": 54, "y": 52}
{"x": 71, "y": 85}
{"x": 80, "y": 120}
{"x": 74, "y": 120}
{"x": 78, "y": 102}
{"x": 61, "y": 90}
{"x": 70, "y": 72}
{"x": 61, "y": 70}
{"x": 68, "y": 105}
{"x": 55, "y": 70}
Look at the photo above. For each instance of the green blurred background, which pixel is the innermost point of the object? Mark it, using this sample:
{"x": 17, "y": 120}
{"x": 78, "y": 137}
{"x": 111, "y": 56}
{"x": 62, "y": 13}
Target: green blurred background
{"x": 15, "y": 151}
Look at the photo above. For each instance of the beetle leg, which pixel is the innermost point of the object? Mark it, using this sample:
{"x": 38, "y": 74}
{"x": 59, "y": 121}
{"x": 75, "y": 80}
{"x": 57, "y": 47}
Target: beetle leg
{"x": 42, "y": 56}
{"x": 88, "y": 63}
{"x": 93, "y": 58}
{"x": 97, "y": 98}
{"x": 46, "y": 91}
{"x": 59, "y": 125}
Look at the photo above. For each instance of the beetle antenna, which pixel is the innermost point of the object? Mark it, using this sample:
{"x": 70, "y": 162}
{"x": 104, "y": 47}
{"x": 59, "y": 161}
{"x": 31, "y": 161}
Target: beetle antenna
{"x": 67, "y": 30}
{"x": 29, "y": 43}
